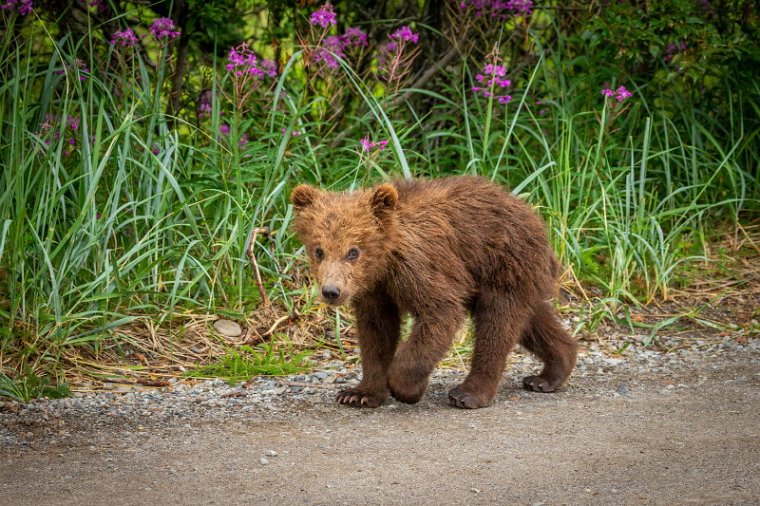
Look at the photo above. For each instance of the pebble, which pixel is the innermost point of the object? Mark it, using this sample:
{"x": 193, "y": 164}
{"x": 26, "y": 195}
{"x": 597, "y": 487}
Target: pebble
{"x": 227, "y": 328}
{"x": 270, "y": 453}
{"x": 263, "y": 461}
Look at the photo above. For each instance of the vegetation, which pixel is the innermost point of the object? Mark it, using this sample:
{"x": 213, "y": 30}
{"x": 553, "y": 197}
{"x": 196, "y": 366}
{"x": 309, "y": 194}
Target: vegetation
{"x": 143, "y": 142}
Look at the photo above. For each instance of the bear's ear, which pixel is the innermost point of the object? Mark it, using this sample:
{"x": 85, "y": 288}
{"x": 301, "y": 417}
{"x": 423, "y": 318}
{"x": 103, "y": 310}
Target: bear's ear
{"x": 303, "y": 196}
{"x": 384, "y": 200}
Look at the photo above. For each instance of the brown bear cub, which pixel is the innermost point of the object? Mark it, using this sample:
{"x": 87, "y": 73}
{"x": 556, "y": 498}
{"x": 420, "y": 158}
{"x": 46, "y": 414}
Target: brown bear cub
{"x": 436, "y": 250}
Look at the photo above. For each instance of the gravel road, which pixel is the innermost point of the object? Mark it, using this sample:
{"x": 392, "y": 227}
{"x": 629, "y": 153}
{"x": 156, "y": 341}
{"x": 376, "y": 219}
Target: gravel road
{"x": 644, "y": 427}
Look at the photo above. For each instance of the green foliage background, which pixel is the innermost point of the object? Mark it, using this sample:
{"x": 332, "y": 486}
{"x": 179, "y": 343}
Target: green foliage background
{"x": 143, "y": 212}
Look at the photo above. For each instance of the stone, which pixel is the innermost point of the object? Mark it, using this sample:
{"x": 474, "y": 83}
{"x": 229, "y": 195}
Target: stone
{"x": 227, "y": 328}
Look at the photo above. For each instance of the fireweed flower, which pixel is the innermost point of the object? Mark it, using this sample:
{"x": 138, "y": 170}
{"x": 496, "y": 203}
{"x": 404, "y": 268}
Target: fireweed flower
{"x": 164, "y": 29}
{"x": 242, "y": 62}
{"x": 24, "y": 6}
{"x": 524, "y": 7}
{"x": 393, "y": 61}
{"x": 405, "y": 34}
{"x": 324, "y": 17}
{"x": 203, "y": 109}
{"x": 620, "y": 94}
{"x": 125, "y": 38}
{"x": 369, "y": 146}
{"x": 672, "y": 49}
{"x": 493, "y": 82}
{"x": 294, "y": 133}
{"x": 83, "y": 68}
{"x": 335, "y": 46}
{"x": 73, "y": 122}
{"x": 497, "y": 9}
{"x": 353, "y": 37}
{"x": 329, "y": 52}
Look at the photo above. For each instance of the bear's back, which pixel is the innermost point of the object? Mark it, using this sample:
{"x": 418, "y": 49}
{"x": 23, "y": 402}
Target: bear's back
{"x": 471, "y": 232}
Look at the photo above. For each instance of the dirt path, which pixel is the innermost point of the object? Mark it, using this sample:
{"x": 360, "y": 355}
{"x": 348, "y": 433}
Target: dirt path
{"x": 613, "y": 437}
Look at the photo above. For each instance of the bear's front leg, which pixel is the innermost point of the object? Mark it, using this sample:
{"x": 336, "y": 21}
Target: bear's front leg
{"x": 428, "y": 343}
{"x": 379, "y": 324}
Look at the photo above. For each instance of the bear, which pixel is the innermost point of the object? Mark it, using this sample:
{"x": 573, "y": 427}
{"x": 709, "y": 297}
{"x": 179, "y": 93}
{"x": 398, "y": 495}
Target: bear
{"x": 436, "y": 250}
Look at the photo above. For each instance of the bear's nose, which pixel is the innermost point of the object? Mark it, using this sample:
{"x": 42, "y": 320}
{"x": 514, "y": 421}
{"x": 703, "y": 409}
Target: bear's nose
{"x": 330, "y": 292}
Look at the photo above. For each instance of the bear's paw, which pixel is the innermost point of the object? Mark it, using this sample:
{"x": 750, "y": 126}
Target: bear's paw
{"x": 358, "y": 398}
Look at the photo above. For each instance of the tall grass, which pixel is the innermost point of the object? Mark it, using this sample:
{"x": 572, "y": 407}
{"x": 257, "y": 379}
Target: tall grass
{"x": 136, "y": 214}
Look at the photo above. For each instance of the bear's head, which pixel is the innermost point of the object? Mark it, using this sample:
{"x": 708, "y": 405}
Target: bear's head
{"x": 347, "y": 236}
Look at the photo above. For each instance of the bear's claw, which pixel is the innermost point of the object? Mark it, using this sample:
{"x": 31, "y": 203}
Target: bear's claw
{"x": 359, "y": 399}
{"x": 466, "y": 400}
{"x": 541, "y": 384}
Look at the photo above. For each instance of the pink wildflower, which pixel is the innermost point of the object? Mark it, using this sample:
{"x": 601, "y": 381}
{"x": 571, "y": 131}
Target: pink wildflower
{"x": 126, "y": 38}
{"x": 164, "y": 29}
{"x": 405, "y": 34}
{"x": 619, "y": 94}
{"x": 494, "y": 83}
{"x": 368, "y": 146}
{"x": 324, "y": 17}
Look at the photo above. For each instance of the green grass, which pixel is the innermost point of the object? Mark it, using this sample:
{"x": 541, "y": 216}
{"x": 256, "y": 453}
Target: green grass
{"x": 246, "y": 362}
{"x": 147, "y": 215}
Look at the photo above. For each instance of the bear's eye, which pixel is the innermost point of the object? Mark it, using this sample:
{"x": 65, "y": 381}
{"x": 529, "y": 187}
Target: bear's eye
{"x": 352, "y": 254}
{"x": 319, "y": 253}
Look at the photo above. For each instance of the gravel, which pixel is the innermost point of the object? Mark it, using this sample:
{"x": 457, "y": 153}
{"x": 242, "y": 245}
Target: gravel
{"x": 187, "y": 402}
{"x": 636, "y": 427}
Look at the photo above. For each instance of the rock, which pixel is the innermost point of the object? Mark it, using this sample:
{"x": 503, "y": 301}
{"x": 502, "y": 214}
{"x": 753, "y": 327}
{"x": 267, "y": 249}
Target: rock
{"x": 263, "y": 461}
{"x": 270, "y": 453}
{"x": 227, "y": 328}
{"x": 623, "y": 390}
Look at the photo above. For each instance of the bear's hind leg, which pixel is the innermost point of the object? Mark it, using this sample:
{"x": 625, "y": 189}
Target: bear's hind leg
{"x": 498, "y": 323}
{"x": 546, "y": 339}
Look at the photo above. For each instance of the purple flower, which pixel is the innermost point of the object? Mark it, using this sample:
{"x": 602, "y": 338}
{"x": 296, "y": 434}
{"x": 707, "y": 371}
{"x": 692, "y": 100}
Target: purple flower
{"x": 329, "y": 52}
{"x": 619, "y": 94}
{"x": 497, "y": 9}
{"x": 672, "y": 49}
{"x": 82, "y": 68}
{"x": 164, "y": 29}
{"x": 521, "y": 6}
{"x": 73, "y": 122}
{"x": 24, "y": 6}
{"x": 368, "y": 146}
{"x": 126, "y": 38}
{"x": 243, "y": 62}
{"x": 155, "y": 150}
{"x": 334, "y": 47}
{"x": 294, "y": 133}
{"x": 324, "y": 17}
{"x": 204, "y": 105}
{"x": 353, "y": 37}
{"x": 269, "y": 67}
{"x": 494, "y": 83}
{"x": 224, "y": 128}
{"x": 405, "y": 34}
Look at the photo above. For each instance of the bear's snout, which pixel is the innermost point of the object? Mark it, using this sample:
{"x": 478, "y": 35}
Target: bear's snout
{"x": 330, "y": 293}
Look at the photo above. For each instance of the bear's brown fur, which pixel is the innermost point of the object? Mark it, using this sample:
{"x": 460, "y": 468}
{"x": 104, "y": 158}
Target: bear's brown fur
{"x": 436, "y": 250}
